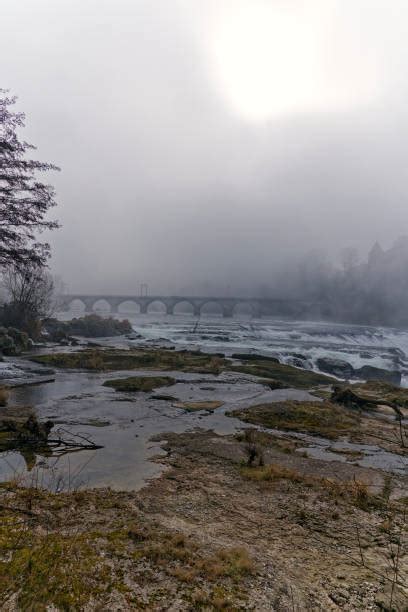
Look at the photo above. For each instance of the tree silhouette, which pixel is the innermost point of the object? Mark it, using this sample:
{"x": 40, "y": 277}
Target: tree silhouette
{"x": 24, "y": 200}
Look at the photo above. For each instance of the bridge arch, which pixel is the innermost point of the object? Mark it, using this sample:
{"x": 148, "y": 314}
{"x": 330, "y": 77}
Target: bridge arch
{"x": 128, "y": 306}
{"x": 101, "y": 305}
{"x": 244, "y": 310}
{"x": 184, "y": 307}
{"x": 156, "y": 306}
{"x": 75, "y": 305}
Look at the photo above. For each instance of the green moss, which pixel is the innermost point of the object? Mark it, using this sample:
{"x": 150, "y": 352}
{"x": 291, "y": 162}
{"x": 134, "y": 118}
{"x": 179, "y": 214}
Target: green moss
{"x": 253, "y": 357}
{"x": 284, "y": 374}
{"x": 274, "y": 374}
{"x": 381, "y": 391}
{"x": 316, "y": 418}
{"x": 139, "y": 383}
{"x": 58, "y": 570}
{"x": 119, "y": 359}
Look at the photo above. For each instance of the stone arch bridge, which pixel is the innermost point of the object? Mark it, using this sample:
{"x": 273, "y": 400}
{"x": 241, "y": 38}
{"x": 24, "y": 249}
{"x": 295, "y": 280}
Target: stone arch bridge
{"x": 258, "y": 307}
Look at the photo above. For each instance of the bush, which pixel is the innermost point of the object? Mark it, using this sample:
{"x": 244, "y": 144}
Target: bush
{"x": 13, "y": 341}
{"x": 89, "y": 326}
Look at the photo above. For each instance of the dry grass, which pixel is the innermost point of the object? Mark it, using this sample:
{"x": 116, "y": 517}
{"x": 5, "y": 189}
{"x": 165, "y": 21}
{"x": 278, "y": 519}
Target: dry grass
{"x": 227, "y": 562}
{"x": 272, "y": 472}
{"x": 381, "y": 391}
{"x": 70, "y": 564}
{"x": 317, "y": 418}
{"x": 354, "y": 492}
{"x": 182, "y": 558}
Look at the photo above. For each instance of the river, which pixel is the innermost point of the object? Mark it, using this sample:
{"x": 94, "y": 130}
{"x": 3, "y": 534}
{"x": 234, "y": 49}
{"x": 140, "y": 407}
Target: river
{"x": 124, "y": 425}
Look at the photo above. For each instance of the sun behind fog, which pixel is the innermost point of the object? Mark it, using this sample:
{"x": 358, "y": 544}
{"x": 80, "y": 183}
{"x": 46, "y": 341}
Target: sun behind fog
{"x": 273, "y": 58}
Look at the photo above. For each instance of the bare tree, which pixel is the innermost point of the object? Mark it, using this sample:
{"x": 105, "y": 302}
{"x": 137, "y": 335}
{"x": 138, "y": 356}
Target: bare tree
{"x": 31, "y": 296}
{"x": 24, "y": 200}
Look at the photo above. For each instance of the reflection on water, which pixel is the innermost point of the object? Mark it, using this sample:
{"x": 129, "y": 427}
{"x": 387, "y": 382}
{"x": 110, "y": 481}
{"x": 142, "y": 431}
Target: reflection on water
{"x": 123, "y": 424}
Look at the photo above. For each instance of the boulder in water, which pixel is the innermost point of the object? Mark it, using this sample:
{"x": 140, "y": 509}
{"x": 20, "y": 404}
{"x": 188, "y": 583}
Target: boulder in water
{"x": 335, "y": 367}
{"x": 368, "y": 372}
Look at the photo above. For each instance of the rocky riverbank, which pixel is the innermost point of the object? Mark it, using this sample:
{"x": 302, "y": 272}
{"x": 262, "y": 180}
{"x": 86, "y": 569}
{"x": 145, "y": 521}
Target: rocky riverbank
{"x": 212, "y": 533}
{"x": 302, "y": 507}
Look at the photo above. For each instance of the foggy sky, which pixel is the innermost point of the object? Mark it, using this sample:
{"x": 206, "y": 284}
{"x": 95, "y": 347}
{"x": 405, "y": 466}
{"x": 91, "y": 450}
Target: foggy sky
{"x": 176, "y": 169}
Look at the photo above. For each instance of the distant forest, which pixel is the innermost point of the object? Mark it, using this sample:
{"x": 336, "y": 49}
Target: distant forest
{"x": 372, "y": 292}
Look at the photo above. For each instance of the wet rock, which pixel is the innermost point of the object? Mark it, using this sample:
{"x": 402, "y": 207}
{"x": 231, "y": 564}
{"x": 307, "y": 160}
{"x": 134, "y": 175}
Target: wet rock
{"x": 299, "y": 356}
{"x": 398, "y": 352}
{"x": 371, "y": 373}
{"x": 296, "y": 362}
{"x": 134, "y": 336}
{"x": 253, "y": 357}
{"x": 165, "y": 398}
{"x": 335, "y": 367}
{"x": 40, "y": 371}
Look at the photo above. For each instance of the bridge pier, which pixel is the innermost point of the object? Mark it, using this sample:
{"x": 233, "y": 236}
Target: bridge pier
{"x": 89, "y": 304}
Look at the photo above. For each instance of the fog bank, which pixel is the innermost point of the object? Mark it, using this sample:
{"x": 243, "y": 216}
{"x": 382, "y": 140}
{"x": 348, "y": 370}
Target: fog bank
{"x": 206, "y": 146}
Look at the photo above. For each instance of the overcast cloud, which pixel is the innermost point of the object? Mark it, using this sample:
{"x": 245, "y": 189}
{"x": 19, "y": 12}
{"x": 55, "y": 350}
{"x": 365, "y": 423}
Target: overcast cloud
{"x": 204, "y": 142}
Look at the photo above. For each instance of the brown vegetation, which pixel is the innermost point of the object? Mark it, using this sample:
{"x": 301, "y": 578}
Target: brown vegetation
{"x": 132, "y": 359}
{"x": 316, "y": 418}
{"x": 139, "y": 383}
{"x": 109, "y": 558}
{"x": 284, "y": 375}
{"x": 209, "y": 406}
